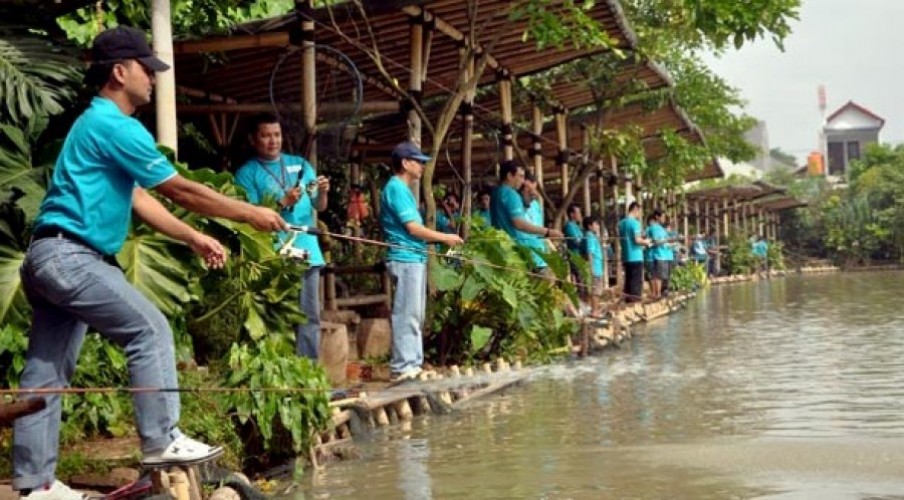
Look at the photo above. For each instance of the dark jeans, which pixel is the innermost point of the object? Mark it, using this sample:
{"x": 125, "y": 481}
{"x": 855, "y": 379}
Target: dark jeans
{"x": 633, "y": 281}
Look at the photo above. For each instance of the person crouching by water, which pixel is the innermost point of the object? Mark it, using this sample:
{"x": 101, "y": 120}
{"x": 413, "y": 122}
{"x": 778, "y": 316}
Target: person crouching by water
{"x": 406, "y": 259}
{"x": 298, "y": 191}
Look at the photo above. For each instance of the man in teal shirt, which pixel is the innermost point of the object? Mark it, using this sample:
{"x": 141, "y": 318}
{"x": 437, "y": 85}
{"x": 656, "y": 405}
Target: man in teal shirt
{"x": 406, "y": 258}
{"x": 593, "y": 252}
{"x": 510, "y": 215}
{"x": 482, "y": 208}
{"x": 574, "y": 239}
{"x": 448, "y": 216}
{"x": 660, "y": 253}
{"x": 69, "y": 273}
{"x": 293, "y": 184}
{"x": 632, "y": 245}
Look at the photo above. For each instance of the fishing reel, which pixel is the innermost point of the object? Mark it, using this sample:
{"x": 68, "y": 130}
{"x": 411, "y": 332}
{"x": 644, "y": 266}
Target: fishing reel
{"x": 287, "y": 249}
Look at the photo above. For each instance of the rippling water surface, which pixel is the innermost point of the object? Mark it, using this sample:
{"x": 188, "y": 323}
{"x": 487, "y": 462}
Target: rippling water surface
{"x": 792, "y": 388}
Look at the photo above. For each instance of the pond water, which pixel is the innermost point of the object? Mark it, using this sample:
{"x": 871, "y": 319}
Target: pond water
{"x": 789, "y": 388}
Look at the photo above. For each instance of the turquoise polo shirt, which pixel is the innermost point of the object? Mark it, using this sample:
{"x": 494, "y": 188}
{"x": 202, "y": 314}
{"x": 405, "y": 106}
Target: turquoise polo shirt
{"x": 628, "y": 229}
{"x": 263, "y": 179}
{"x": 534, "y": 214}
{"x": 444, "y": 223}
{"x": 660, "y": 249}
{"x": 104, "y": 157}
{"x": 573, "y": 232}
{"x": 594, "y": 252}
{"x": 397, "y": 208}
{"x": 506, "y": 205}
{"x": 484, "y": 215}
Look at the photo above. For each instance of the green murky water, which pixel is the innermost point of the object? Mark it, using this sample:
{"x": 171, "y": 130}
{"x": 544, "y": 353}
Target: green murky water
{"x": 792, "y": 388}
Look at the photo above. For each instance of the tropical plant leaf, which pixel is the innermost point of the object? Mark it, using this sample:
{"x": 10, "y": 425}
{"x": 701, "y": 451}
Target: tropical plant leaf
{"x": 14, "y": 308}
{"x": 37, "y": 77}
{"x": 160, "y": 268}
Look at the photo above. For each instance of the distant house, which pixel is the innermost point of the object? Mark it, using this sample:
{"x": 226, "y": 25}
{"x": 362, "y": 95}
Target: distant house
{"x": 847, "y": 132}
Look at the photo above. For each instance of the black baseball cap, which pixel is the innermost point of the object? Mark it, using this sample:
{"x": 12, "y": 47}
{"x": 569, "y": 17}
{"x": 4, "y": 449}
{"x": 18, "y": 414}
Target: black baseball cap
{"x": 124, "y": 43}
{"x": 408, "y": 150}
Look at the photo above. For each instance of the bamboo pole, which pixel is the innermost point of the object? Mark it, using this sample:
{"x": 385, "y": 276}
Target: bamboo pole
{"x": 505, "y": 101}
{"x": 562, "y": 138}
{"x": 725, "y": 227}
{"x": 619, "y": 265}
{"x": 165, "y": 84}
{"x": 467, "y": 112}
{"x": 601, "y": 190}
{"x": 585, "y": 145}
{"x": 415, "y": 62}
{"x": 537, "y": 146}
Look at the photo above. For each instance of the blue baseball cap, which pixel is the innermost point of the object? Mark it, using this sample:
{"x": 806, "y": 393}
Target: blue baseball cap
{"x": 408, "y": 150}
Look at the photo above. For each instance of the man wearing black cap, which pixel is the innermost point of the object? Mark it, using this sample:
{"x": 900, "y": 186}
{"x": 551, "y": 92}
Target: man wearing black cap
{"x": 72, "y": 281}
{"x": 406, "y": 259}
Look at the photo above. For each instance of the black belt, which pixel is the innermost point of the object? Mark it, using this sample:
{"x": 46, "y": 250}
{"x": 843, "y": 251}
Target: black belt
{"x": 44, "y": 232}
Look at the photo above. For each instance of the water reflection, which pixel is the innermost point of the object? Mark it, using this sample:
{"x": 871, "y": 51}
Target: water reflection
{"x": 789, "y": 388}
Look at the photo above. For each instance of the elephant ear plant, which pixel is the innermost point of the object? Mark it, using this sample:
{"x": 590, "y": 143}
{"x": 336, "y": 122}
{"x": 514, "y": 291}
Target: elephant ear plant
{"x": 489, "y": 303}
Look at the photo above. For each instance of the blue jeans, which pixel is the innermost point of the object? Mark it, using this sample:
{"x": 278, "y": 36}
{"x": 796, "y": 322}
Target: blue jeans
{"x": 70, "y": 288}
{"x": 307, "y": 335}
{"x": 408, "y": 309}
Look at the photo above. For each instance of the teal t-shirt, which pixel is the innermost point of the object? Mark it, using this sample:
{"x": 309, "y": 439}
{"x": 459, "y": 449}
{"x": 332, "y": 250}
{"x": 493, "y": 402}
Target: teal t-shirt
{"x": 594, "y": 252}
{"x": 574, "y": 236}
{"x": 760, "y": 249}
{"x": 444, "y": 223}
{"x": 263, "y": 179}
{"x": 660, "y": 249}
{"x": 105, "y": 155}
{"x": 397, "y": 208}
{"x": 484, "y": 216}
{"x": 628, "y": 229}
{"x": 534, "y": 214}
{"x": 506, "y": 205}
{"x": 673, "y": 244}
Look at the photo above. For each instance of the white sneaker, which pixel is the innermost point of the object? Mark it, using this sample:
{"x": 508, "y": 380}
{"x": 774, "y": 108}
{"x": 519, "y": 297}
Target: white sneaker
{"x": 55, "y": 491}
{"x": 184, "y": 450}
{"x": 405, "y": 376}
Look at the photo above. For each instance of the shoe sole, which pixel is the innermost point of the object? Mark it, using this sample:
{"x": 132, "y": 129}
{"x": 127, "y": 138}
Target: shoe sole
{"x": 156, "y": 465}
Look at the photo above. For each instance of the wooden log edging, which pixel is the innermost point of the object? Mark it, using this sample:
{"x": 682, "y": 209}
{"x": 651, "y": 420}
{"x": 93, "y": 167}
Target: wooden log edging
{"x": 435, "y": 393}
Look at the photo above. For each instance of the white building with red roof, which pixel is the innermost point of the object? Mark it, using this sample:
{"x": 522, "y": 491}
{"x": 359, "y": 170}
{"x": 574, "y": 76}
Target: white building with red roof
{"x": 847, "y": 132}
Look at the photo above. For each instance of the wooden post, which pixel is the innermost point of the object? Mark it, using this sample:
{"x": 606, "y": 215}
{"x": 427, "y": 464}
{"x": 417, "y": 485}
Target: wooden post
{"x": 601, "y": 190}
{"x": 619, "y": 267}
{"x": 536, "y": 146}
{"x": 467, "y": 115}
{"x": 585, "y": 144}
{"x": 165, "y": 86}
{"x": 562, "y": 158}
{"x": 415, "y": 74}
{"x": 684, "y": 217}
{"x": 505, "y": 101}
{"x": 309, "y": 78}
{"x": 725, "y": 228}
{"x": 736, "y": 215}
{"x": 707, "y": 221}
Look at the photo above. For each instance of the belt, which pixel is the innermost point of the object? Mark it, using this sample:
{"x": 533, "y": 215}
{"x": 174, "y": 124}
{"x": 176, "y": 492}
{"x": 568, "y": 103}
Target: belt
{"x": 45, "y": 232}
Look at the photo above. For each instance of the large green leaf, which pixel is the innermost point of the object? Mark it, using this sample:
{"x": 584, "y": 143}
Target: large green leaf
{"x": 160, "y": 268}
{"x": 14, "y": 308}
{"x": 37, "y": 77}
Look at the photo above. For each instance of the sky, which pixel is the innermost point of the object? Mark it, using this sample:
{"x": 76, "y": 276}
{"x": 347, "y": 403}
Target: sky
{"x": 853, "y": 47}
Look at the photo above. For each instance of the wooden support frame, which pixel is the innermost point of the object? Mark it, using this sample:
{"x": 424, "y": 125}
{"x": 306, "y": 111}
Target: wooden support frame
{"x": 467, "y": 141}
{"x": 505, "y": 103}
{"x": 562, "y": 139}
{"x": 536, "y": 145}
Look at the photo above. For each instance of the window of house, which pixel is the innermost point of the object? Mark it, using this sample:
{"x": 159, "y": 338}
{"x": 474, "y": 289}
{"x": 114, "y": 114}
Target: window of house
{"x": 853, "y": 150}
{"x": 836, "y": 158}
